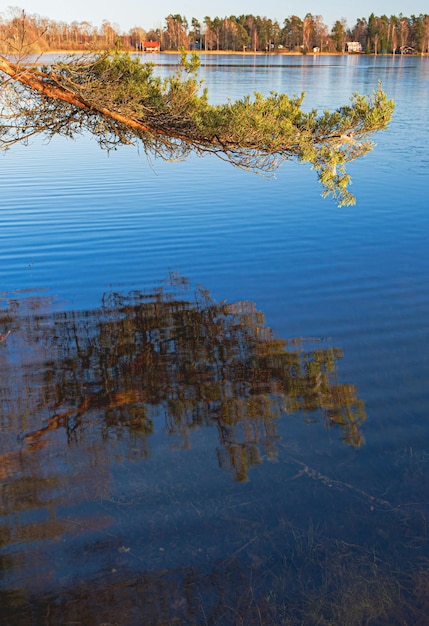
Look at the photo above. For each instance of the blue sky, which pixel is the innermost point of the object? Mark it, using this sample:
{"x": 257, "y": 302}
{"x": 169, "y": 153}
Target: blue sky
{"x": 150, "y": 14}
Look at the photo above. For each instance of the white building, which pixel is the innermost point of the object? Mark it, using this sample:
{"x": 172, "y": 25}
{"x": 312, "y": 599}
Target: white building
{"x": 353, "y": 46}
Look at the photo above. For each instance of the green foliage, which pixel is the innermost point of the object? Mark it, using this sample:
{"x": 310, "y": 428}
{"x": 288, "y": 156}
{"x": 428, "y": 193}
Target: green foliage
{"x": 121, "y": 101}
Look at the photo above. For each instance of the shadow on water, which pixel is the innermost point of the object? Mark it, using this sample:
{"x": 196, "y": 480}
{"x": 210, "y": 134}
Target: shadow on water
{"x": 120, "y": 429}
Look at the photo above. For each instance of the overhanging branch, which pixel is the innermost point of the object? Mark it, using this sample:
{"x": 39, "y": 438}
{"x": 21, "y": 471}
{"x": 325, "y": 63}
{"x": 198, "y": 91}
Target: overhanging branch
{"x": 118, "y": 99}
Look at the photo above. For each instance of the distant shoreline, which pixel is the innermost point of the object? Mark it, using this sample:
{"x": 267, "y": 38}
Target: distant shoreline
{"x": 236, "y": 53}
{"x": 281, "y": 53}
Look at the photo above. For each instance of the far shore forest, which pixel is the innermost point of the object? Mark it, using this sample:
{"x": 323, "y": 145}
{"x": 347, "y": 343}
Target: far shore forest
{"x": 396, "y": 34}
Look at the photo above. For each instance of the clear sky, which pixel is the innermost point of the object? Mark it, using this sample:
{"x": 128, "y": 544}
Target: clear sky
{"x": 152, "y": 13}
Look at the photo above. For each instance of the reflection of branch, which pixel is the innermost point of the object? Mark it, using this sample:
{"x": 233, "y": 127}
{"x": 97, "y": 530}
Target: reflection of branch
{"x": 92, "y": 401}
{"x": 5, "y": 336}
{"x": 234, "y": 554}
{"x": 203, "y": 363}
{"x": 336, "y": 484}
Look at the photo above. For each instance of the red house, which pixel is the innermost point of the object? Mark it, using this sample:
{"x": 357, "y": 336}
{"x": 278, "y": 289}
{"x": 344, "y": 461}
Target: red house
{"x": 151, "y": 46}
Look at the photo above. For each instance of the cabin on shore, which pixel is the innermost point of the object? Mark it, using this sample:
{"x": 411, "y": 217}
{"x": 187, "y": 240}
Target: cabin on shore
{"x": 151, "y": 46}
{"x": 354, "y": 46}
{"x": 405, "y": 50}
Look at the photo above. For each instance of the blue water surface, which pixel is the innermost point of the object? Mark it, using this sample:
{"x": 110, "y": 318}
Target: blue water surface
{"x": 77, "y": 223}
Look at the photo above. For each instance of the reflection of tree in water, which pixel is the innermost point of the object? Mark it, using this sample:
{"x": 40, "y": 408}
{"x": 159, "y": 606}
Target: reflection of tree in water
{"x": 199, "y": 362}
{"x": 88, "y": 538}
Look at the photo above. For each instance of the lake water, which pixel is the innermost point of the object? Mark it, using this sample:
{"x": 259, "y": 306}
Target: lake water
{"x": 214, "y": 392}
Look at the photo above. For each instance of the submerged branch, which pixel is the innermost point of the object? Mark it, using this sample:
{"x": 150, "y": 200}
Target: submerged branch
{"x": 120, "y": 101}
